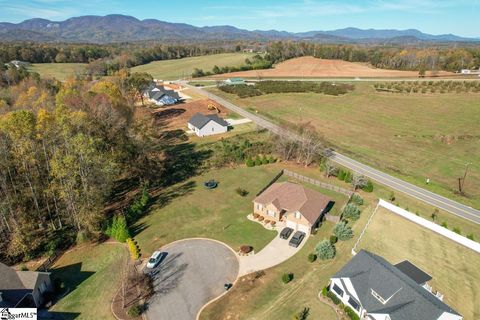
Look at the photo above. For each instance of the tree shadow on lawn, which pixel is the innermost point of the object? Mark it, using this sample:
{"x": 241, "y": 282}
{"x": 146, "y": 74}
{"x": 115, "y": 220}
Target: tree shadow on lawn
{"x": 71, "y": 275}
{"x": 182, "y": 162}
{"x": 167, "y": 276}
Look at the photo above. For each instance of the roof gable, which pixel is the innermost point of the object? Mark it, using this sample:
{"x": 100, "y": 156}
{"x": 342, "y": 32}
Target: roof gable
{"x": 199, "y": 120}
{"x": 294, "y": 197}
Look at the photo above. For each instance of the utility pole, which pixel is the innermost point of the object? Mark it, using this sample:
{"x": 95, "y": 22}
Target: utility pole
{"x": 461, "y": 181}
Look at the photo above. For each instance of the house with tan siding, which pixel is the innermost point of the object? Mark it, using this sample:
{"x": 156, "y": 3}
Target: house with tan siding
{"x": 293, "y": 205}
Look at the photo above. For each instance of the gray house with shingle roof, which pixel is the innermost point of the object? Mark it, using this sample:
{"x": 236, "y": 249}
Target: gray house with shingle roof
{"x": 206, "y": 125}
{"x": 378, "y": 290}
{"x": 23, "y": 288}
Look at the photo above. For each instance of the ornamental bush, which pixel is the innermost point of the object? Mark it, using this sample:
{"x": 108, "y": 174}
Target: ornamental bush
{"x": 333, "y": 239}
{"x": 351, "y": 314}
{"x": 135, "y": 310}
{"x": 368, "y": 187}
{"x": 333, "y": 297}
{"x": 118, "y": 228}
{"x": 351, "y": 212}
{"x": 312, "y": 257}
{"x": 287, "y": 277}
{"x": 357, "y": 199}
{"x": 343, "y": 231}
{"x": 250, "y": 163}
{"x": 258, "y": 161}
{"x": 325, "y": 250}
{"x": 133, "y": 248}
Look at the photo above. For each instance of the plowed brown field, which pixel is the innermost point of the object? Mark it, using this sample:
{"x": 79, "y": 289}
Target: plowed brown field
{"x": 314, "y": 67}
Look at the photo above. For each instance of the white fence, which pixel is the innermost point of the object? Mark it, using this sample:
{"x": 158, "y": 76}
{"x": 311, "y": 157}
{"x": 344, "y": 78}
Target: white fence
{"x": 430, "y": 225}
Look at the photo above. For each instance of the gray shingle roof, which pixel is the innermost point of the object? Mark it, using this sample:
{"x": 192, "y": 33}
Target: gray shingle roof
{"x": 199, "y": 120}
{"x": 15, "y": 284}
{"x": 408, "y": 300}
{"x": 411, "y": 270}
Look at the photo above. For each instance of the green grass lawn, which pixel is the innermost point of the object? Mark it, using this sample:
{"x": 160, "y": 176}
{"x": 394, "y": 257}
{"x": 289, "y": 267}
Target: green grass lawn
{"x": 183, "y": 68}
{"x": 267, "y": 298}
{"x": 454, "y": 268}
{"x": 218, "y": 214}
{"x": 413, "y": 136}
{"x": 59, "y": 71}
{"x": 92, "y": 275}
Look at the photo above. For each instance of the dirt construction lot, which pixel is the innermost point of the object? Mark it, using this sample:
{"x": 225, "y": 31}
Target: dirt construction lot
{"x": 177, "y": 116}
{"x": 314, "y": 67}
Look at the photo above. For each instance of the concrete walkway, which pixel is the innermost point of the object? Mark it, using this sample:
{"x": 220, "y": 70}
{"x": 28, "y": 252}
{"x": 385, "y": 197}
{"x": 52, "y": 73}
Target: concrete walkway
{"x": 276, "y": 252}
{"x": 234, "y": 122}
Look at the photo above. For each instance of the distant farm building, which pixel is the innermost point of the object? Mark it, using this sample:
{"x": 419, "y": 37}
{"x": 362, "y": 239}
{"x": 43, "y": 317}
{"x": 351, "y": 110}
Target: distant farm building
{"x": 470, "y": 71}
{"x": 206, "y": 125}
{"x": 234, "y": 81}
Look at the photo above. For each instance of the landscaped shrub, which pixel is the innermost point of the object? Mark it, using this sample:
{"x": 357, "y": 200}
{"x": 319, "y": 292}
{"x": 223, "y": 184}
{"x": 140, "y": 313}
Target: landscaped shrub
{"x": 333, "y": 297}
{"x": 118, "y": 228}
{"x": 139, "y": 206}
{"x": 261, "y": 218}
{"x": 325, "y": 250}
{"x": 250, "y": 163}
{"x": 391, "y": 197}
{"x": 348, "y": 177}
{"x": 342, "y": 231}
{"x": 444, "y": 224}
{"x": 457, "y": 230}
{"x": 351, "y": 314}
{"x": 265, "y": 160}
{"x": 246, "y": 249}
{"x": 351, "y": 212}
{"x": 302, "y": 315}
{"x": 256, "y": 215}
{"x": 324, "y": 291}
{"x": 258, "y": 161}
{"x": 266, "y": 221}
{"x": 241, "y": 192}
{"x": 287, "y": 277}
{"x": 333, "y": 239}
{"x": 368, "y": 187}
{"x": 135, "y": 310}
{"x": 133, "y": 248}
{"x": 312, "y": 257}
{"x": 273, "y": 223}
{"x": 357, "y": 199}
{"x": 470, "y": 236}
{"x": 341, "y": 174}
{"x": 271, "y": 159}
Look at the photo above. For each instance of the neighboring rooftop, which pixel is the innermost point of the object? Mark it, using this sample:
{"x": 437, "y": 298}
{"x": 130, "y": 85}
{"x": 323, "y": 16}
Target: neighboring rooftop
{"x": 404, "y": 299}
{"x": 295, "y": 197}
{"x": 199, "y": 120}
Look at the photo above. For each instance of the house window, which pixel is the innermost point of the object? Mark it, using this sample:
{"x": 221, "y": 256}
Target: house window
{"x": 213, "y": 129}
{"x": 337, "y": 290}
{"x": 297, "y": 215}
{"x": 259, "y": 206}
{"x": 271, "y": 213}
{"x": 354, "y": 304}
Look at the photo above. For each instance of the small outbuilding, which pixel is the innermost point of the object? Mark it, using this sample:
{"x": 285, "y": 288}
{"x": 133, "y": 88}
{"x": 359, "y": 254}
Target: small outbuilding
{"x": 234, "y": 81}
{"x": 206, "y": 125}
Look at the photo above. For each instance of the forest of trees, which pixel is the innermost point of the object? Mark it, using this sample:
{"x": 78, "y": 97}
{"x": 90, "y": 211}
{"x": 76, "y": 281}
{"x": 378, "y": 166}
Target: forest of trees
{"x": 62, "y": 149}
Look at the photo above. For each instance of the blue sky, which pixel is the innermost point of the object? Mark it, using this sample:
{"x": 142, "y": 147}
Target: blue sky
{"x": 432, "y": 16}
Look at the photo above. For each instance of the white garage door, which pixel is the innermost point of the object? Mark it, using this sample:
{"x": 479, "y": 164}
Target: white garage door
{"x": 292, "y": 224}
{"x": 304, "y": 228}
{"x": 298, "y": 227}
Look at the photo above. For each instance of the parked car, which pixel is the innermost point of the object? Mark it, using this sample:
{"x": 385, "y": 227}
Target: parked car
{"x": 286, "y": 232}
{"x": 155, "y": 259}
{"x": 297, "y": 239}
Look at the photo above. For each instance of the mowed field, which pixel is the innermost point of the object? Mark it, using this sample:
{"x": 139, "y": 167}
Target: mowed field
{"x": 412, "y": 136}
{"x": 59, "y": 71}
{"x": 183, "y": 68}
{"x": 454, "y": 268}
{"x": 324, "y": 68}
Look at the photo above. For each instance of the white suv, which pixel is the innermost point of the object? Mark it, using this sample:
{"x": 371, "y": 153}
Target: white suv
{"x": 155, "y": 259}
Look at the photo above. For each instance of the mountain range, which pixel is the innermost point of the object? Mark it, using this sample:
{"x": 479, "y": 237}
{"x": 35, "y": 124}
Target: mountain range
{"x": 121, "y": 28}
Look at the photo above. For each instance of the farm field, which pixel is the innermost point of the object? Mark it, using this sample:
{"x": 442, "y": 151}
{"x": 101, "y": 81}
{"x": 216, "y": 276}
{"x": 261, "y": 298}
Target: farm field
{"x": 454, "y": 268}
{"x": 59, "y": 71}
{"x": 412, "y": 136}
{"x": 183, "y": 68}
{"x": 324, "y": 68}
{"x": 91, "y": 275}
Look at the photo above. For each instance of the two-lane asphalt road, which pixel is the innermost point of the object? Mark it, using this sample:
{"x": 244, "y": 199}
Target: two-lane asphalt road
{"x": 426, "y": 196}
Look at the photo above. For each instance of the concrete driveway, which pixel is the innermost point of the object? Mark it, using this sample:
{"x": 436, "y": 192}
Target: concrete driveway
{"x": 276, "y": 252}
{"x": 193, "y": 273}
